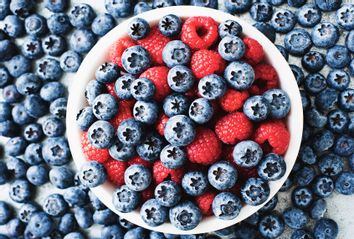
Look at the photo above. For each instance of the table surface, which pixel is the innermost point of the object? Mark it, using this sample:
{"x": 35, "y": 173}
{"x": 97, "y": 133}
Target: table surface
{"x": 340, "y": 207}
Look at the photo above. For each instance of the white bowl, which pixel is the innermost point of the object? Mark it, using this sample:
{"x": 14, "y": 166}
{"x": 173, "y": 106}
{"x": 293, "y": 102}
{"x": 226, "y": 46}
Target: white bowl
{"x": 98, "y": 55}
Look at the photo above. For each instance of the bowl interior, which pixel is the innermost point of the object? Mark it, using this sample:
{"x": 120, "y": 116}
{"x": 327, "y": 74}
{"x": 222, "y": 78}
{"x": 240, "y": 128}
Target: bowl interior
{"x": 99, "y": 54}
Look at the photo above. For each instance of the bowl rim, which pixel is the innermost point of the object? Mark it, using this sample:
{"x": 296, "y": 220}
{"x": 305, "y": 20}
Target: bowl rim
{"x": 99, "y": 54}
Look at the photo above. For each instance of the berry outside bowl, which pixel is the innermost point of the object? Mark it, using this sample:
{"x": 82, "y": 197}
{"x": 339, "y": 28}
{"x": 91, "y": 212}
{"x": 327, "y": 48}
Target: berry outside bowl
{"x": 99, "y": 54}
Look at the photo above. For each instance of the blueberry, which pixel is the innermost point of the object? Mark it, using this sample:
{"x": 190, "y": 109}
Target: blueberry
{"x": 239, "y": 75}
{"x": 48, "y": 69}
{"x": 255, "y": 191}
{"x": 15, "y": 146}
{"x": 323, "y": 186}
{"x": 7, "y": 49}
{"x": 122, "y": 86}
{"x": 229, "y": 28}
{"x": 247, "y": 153}
{"x": 267, "y": 29}
{"x": 104, "y": 217}
{"x": 315, "y": 83}
{"x": 5, "y": 212}
{"x": 175, "y": 104}
{"x": 283, "y": 20}
{"x": 137, "y": 177}
{"x": 176, "y": 53}
{"x": 167, "y": 193}
{"x": 271, "y": 226}
{"x": 325, "y": 229}
{"x": 93, "y": 89}
{"x": 279, "y": 103}
{"x": 20, "y": 191}
{"x": 272, "y": 167}
{"x": 59, "y": 23}
{"x": 185, "y": 215}
{"x": 118, "y": 9}
{"x": 124, "y": 199}
{"x": 222, "y": 175}
{"x": 75, "y": 196}
{"x": 212, "y": 87}
{"x": 145, "y": 112}
{"x": 125, "y": 224}
{"x": 153, "y": 214}
{"x": 35, "y": 106}
{"x": 83, "y": 216}
{"x": 346, "y": 100}
{"x": 25, "y": 212}
{"x": 35, "y": 25}
{"x": 53, "y": 127}
{"x": 136, "y": 59}
{"x": 33, "y": 154}
{"x": 170, "y": 25}
{"x": 236, "y": 7}
{"x": 13, "y": 26}
{"x": 283, "y": 52}
{"x": 16, "y": 167}
{"x": 349, "y": 41}
{"x": 74, "y": 235}
{"x": 325, "y": 35}
{"x": 8, "y": 128}
{"x": 40, "y": 224}
{"x": 61, "y": 177}
{"x": 96, "y": 203}
{"x": 318, "y": 209}
{"x": 261, "y": 11}
{"x": 54, "y": 45}
{"x": 105, "y": 107}
{"x": 338, "y": 121}
{"x": 100, "y": 134}
{"x": 22, "y": 8}
{"x": 308, "y": 15}
{"x": 344, "y": 17}
{"x": 4, "y": 75}
{"x": 201, "y": 111}
{"x": 313, "y": 61}
{"x": 67, "y": 223}
{"x": 295, "y": 218}
{"x": 32, "y": 48}
{"x": 112, "y": 232}
{"x": 15, "y": 228}
{"x": 328, "y": 6}
{"x": 102, "y": 24}
{"x": 141, "y": 7}
{"x": 58, "y": 107}
{"x": 297, "y": 42}
{"x": 129, "y": 132}
{"x": 150, "y": 147}
{"x": 326, "y": 100}
{"x": 226, "y": 206}
{"x": 82, "y": 40}
{"x": 92, "y": 174}
{"x": 37, "y": 175}
{"x": 10, "y": 94}
{"x": 81, "y": 15}
{"x": 18, "y": 65}
{"x": 55, "y": 151}
{"x": 52, "y": 90}
{"x": 344, "y": 145}
{"x": 231, "y": 48}
{"x": 323, "y": 141}
{"x": 302, "y": 197}
{"x": 338, "y": 79}
{"x": 338, "y": 57}
{"x": 142, "y": 89}
{"x": 121, "y": 152}
{"x": 137, "y": 232}
{"x": 307, "y": 155}
{"x": 194, "y": 183}
{"x": 156, "y": 235}
{"x": 56, "y": 6}
{"x": 55, "y": 205}
{"x": 4, "y": 173}
{"x": 4, "y": 9}
{"x": 270, "y": 205}
{"x": 305, "y": 175}
{"x": 180, "y": 79}
{"x": 179, "y": 130}
{"x": 28, "y": 84}
{"x": 287, "y": 185}
{"x": 138, "y": 28}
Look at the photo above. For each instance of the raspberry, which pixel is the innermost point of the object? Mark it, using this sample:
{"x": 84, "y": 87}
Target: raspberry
{"x": 233, "y": 127}
{"x": 245, "y": 173}
{"x": 147, "y": 193}
{"x": 273, "y": 134}
{"x": 92, "y": 153}
{"x": 155, "y": 42}
{"x": 266, "y": 78}
{"x": 254, "y": 53}
{"x": 118, "y": 48}
{"x": 192, "y": 93}
{"x": 233, "y": 100}
{"x": 236, "y": 189}
{"x": 158, "y": 75}
{"x": 227, "y": 153}
{"x": 206, "y": 62}
{"x": 205, "y": 201}
{"x": 161, "y": 123}
{"x": 161, "y": 173}
{"x": 199, "y": 32}
{"x": 115, "y": 171}
{"x": 205, "y": 148}
{"x": 140, "y": 161}
{"x": 125, "y": 108}
{"x": 110, "y": 89}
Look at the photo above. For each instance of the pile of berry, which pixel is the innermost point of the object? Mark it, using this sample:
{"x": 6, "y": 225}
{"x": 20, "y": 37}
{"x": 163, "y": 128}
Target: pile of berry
{"x": 163, "y": 111}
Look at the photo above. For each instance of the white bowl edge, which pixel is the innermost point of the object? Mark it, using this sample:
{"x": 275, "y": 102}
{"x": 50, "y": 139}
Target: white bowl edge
{"x": 98, "y": 55}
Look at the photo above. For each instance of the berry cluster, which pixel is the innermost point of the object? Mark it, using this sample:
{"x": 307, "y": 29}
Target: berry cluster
{"x": 161, "y": 112}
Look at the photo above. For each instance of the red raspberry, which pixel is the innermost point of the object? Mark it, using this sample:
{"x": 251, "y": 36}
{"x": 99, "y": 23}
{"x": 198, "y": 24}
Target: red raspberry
{"x": 125, "y": 108}
{"x": 206, "y": 62}
{"x": 92, "y": 153}
{"x": 205, "y": 148}
{"x": 116, "y": 51}
{"x": 266, "y": 78}
{"x": 274, "y": 134}
{"x": 155, "y": 42}
{"x": 147, "y": 193}
{"x": 199, "y": 32}
{"x": 233, "y": 100}
{"x": 140, "y": 161}
{"x": 115, "y": 171}
{"x": 233, "y": 127}
{"x": 192, "y": 93}
{"x": 158, "y": 75}
{"x": 205, "y": 201}
{"x": 236, "y": 189}
{"x": 161, "y": 123}
{"x": 161, "y": 173}
{"x": 254, "y": 53}
{"x": 110, "y": 89}
{"x": 227, "y": 153}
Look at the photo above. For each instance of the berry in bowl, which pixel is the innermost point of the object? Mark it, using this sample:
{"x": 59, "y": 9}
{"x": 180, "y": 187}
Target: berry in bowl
{"x": 184, "y": 124}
